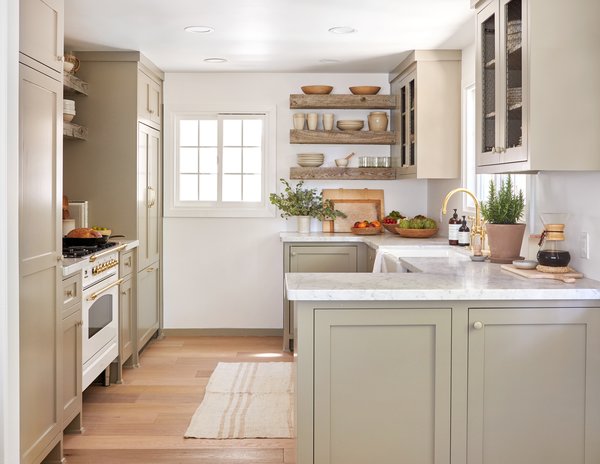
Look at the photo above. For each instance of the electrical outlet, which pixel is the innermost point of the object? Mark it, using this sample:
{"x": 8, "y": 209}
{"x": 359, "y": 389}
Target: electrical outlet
{"x": 584, "y": 245}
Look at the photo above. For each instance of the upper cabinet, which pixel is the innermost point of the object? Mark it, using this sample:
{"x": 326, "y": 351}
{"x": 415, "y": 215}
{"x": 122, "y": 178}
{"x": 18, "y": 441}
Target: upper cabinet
{"x": 427, "y": 115}
{"x": 535, "y": 86}
{"x": 41, "y": 34}
{"x": 149, "y": 99}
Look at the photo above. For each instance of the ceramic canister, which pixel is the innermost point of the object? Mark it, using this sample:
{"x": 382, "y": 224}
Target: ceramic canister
{"x": 378, "y": 121}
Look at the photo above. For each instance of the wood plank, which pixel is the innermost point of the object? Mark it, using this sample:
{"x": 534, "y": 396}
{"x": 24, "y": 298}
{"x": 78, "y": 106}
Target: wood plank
{"x": 343, "y": 173}
{"x": 347, "y": 102}
{"x": 72, "y": 85}
{"x": 74, "y": 131}
{"x": 359, "y": 137}
{"x": 353, "y": 203}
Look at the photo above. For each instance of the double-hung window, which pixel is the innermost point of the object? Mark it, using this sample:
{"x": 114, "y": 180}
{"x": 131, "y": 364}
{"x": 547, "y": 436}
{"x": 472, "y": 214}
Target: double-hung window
{"x": 223, "y": 165}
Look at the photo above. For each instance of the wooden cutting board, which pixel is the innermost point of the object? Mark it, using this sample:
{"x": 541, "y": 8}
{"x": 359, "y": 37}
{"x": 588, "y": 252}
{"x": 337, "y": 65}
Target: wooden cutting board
{"x": 357, "y": 204}
{"x": 568, "y": 277}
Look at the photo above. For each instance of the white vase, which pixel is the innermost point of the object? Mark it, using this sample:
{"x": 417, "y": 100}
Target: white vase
{"x": 303, "y": 224}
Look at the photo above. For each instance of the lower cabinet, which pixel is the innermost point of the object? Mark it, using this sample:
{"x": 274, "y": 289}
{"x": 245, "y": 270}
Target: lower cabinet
{"x": 148, "y": 304}
{"x": 382, "y": 386}
{"x": 448, "y": 383}
{"x": 534, "y": 386}
{"x": 316, "y": 257}
{"x": 72, "y": 371}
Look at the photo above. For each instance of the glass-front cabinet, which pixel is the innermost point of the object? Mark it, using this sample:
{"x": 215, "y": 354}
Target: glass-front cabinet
{"x": 407, "y": 153}
{"x": 501, "y": 75}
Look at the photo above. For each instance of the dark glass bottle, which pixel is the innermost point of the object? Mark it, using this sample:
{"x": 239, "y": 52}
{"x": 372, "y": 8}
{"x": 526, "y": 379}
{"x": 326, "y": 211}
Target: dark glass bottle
{"x": 453, "y": 226}
{"x": 464, "y": 233}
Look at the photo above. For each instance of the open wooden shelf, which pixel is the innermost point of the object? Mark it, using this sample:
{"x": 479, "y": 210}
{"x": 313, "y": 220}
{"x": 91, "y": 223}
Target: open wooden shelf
{"x": 342, "y": 137}
{"x": 73, "y": 85}
{"x": 74, "y": 131}
{"x": 343, "y": 173}
{"x": 343, "y": 102}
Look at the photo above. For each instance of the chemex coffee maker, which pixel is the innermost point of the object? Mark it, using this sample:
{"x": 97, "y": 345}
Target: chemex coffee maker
{"x": 553, "y": 253}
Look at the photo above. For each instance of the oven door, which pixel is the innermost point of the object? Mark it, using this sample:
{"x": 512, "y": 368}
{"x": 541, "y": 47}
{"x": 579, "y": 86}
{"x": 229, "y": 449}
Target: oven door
{"x": 100, "y": 316}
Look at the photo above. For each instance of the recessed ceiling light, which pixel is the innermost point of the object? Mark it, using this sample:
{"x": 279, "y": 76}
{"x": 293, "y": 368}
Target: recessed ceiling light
{"x": 199, "y": 29}
{"x": 330, "y": 60}
{"x": 215, "y": 60}
{"x": 342, "y": 30}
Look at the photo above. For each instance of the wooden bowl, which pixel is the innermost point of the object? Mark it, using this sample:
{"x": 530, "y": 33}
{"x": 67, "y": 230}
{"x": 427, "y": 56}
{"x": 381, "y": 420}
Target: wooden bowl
{"x": 416, "y": 233}
{"x": 366, "y": 230}
{"x": 390, "y": 227}
{"x": 317, "y": 89}
{"x": 365, "y": 90}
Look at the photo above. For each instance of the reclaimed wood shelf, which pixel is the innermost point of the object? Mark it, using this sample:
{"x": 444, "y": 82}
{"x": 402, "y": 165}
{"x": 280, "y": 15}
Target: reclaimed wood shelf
{"x": 343, "y": 102}
{"x": 343, "y": 173}
{"x": 74, "y": 131}
{"x": 342, "y": 137}
{"x": 73, "y": 85}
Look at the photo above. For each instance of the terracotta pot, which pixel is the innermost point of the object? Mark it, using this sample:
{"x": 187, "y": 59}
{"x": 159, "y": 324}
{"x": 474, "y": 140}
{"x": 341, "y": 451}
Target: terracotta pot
{"x": 505, "y": 241}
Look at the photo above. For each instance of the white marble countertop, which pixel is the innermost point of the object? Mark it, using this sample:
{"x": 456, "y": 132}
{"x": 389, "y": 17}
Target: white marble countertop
{"x": 375, "y": 241}
{"x": 73, "y": 265}
{"x": 452, "y": 277}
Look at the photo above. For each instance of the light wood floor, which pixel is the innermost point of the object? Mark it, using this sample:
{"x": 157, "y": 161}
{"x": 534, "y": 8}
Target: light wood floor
{"x": 144, "y": 419}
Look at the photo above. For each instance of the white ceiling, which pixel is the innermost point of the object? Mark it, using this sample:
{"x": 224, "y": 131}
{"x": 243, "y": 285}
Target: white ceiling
{"x": 269, "y": 35}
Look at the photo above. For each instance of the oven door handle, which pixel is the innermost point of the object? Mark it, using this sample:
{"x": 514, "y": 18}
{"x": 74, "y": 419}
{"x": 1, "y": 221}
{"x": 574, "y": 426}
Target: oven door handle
{"x": 95, "y": 295}
{"x": 106, "y": 252}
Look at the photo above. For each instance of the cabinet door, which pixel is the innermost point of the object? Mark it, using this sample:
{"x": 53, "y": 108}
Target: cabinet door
{"x": 149, "y": 100}
{"x": 405, "y": 152}
{"x": 323, "y": 259}
{"x": 72, "y": 367}
{"x": 40, "y": 197}
{"x": 148, "y": 304}
{"x": 126, "y": 307}
{"x": 149, "y": 195}
{"x": 534, "y": 386}
{"x": 382, "y": 386}
{"x": 41, "y": 33}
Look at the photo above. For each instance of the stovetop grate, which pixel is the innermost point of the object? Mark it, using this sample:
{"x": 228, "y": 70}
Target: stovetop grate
{"x": 81, "y": 251}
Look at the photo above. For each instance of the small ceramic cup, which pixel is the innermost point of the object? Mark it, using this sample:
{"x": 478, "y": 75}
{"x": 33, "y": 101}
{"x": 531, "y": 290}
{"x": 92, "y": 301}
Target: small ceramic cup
{"x": 328, "y": 121}
{"x": 313, "y": 121}
{"x": 299, "y": 119}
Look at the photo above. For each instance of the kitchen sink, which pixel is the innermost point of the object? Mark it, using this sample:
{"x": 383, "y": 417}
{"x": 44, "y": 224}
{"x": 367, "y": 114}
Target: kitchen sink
{"x": 392, "y": 258}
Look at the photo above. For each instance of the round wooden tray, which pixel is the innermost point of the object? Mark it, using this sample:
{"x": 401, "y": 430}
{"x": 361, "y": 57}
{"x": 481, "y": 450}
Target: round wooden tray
{"x": 416, "y": 233}
{"x": 366, "y": 230}
{"x": 390, "y": 227}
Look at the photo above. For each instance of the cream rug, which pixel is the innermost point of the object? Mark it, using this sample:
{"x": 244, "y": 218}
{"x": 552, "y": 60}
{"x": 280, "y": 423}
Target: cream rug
{"x": 246, "y": 400}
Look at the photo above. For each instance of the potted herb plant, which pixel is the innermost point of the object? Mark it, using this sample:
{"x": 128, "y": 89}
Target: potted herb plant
{"x": 502, "y": 210}
{"x": 303, "y": 204}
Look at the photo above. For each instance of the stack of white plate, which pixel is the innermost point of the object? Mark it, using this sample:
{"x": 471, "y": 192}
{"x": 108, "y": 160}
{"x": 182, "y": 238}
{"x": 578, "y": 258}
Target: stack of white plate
{"x": 68, "y": 110}
{"x": 350, "y": 124}
{"x": 310, "y": 160}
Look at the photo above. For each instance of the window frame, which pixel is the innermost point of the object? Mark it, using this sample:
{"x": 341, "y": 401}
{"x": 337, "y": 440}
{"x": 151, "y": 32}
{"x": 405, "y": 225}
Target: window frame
{"x": 177, "y": 208}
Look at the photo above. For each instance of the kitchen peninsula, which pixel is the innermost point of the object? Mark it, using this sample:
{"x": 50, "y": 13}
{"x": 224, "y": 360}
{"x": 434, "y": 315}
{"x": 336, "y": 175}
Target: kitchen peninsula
{"x": 452, "y": 362}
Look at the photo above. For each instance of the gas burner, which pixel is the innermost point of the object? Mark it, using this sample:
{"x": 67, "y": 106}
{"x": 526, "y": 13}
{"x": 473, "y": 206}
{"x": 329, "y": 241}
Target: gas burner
{"x": 81, "y": 251}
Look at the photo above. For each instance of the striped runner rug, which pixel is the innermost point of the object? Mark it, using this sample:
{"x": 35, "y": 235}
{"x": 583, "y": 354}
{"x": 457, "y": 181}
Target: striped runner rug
{"x": 246, "y": 400}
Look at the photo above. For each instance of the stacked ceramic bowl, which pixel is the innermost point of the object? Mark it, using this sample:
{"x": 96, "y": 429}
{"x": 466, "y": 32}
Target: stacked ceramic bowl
{"x": 350, "y": 124}
{"x": 310, "y": 160}
{"x": 68, "y": 110}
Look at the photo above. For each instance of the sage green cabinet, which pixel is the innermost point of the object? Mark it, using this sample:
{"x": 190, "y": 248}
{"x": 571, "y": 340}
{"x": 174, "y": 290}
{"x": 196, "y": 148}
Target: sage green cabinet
{"x": 534, "y": 385}
{"x": 72, "y": 374}
{"x": 382, "y": 386}
{"x": 148, "y": 315}
{"x": 149, "y": 100}
{"x": 318, "y": 257}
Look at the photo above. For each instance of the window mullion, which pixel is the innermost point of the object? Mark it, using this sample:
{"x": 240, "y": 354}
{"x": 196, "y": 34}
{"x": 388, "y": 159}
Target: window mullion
{"x": 219, "y": 159}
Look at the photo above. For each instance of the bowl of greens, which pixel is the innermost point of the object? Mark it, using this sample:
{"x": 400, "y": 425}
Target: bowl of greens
{"x": 417, "y": 227}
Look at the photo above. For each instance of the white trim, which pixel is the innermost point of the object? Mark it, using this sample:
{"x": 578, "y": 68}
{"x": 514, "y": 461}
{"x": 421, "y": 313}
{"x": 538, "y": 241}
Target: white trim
{"x": 466, "y": 208}
{"x": 173, "y": 208}
{"x": 9, "y": 282}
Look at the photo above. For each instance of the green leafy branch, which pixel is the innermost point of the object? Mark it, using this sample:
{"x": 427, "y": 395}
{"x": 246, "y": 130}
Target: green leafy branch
{"x": 297, "y": 201}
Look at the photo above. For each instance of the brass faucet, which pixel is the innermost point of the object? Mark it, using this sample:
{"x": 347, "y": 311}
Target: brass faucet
{"x": 477, "y": 229}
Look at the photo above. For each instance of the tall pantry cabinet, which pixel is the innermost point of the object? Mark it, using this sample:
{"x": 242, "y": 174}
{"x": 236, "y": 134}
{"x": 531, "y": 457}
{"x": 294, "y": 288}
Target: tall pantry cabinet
{"x": 118, "y": 169}
{"x": 40, "y": 226}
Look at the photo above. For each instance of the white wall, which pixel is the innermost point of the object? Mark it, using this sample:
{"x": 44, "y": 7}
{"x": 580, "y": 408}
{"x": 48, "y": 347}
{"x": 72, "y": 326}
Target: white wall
{"x": 578, "y": 194}
{"x": 9, "y": 283}
{"x": 227, "y": 273}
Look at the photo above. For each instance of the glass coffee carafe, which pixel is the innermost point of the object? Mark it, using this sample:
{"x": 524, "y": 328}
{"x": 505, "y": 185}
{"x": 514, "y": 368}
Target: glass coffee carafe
{"x": 553, "y": 251}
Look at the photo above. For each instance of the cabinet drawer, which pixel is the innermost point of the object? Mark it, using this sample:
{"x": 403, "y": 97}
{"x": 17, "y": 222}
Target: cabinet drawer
{"x": 126, "y": 263}
{"x": 323, "y": 259}
{"x": 71, "y": 291}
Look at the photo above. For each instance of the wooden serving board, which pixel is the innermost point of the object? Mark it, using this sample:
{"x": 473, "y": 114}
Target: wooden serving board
{"x": 357, "y": 204}
{"x": 568, "y": 277}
